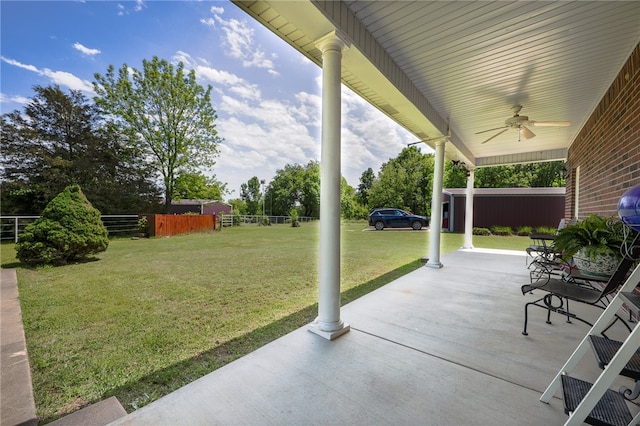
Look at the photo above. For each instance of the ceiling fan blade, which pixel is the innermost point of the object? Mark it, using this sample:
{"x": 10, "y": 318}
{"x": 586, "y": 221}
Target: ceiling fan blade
{"x": 496, "y": 135}
{"x": 550, "y": 123}
{"x": 491, "y": 130}
{"x": 526, "y": 133}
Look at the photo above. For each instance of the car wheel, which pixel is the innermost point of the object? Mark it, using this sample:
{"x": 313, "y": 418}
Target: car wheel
{"x": 417, "y": 225}
{"x": 379, "y": 225}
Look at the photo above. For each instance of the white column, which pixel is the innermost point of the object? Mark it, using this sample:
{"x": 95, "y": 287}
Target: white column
{"x": 328, "y": 323}
{"x": 468, "y": 212}
{"x": 435, "y": 224}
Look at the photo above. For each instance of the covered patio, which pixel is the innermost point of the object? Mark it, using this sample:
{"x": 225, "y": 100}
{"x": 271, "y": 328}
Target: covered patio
{"x": 437, "y": 346}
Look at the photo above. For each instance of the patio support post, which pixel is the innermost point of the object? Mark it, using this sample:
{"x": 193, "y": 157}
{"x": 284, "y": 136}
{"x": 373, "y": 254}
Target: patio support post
{"x": 435, "y": 223}
{"x": 328, "y": 323}
{"x": 468, "y": 212}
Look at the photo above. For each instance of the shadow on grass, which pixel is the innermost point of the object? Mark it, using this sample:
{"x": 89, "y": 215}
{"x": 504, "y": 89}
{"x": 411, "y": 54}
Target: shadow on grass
{"x": 136, "y": 394}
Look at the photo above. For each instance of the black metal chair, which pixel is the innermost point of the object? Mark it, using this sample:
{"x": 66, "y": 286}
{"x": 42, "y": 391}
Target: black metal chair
{"x": 567, "y": 288}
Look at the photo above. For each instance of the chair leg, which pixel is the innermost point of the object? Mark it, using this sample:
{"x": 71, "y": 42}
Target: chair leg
{"x": 526, "y": 318}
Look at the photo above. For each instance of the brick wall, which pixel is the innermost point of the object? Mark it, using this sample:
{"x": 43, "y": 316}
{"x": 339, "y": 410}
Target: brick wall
{"x": 607, "y": 149}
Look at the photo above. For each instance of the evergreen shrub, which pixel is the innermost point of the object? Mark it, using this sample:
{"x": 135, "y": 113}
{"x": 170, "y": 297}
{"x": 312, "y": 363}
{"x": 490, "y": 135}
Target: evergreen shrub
{"x": 481, "y": 231}
{"x": 70, "y": 229}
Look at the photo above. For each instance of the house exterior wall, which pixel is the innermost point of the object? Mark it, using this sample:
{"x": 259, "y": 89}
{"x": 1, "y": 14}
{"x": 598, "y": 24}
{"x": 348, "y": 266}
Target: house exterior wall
{"x": 604, "y": 159}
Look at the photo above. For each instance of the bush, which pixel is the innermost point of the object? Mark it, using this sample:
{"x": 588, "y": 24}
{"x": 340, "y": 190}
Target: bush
{"x": 481, "y": 231}
{"x": 546, "y": 230}
{"x": 524, "y": 231}
{"x": 264, "y": 221}
{"x": 502, "y": 230}
{"x": 294, "y": 217}
{"x": 70, "y": 229}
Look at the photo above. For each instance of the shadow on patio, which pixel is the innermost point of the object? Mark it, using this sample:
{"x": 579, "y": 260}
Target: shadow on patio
{"x": 436, "y": 346}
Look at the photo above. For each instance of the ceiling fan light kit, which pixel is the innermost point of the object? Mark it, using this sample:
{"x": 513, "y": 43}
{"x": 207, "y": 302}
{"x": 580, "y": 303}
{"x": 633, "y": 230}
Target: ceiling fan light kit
{"x": 519, "y": 122}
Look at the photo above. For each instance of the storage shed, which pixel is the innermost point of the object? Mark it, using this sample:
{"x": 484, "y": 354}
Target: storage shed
{"x": 200, "y": 207}
{"x": 513, "y": 207}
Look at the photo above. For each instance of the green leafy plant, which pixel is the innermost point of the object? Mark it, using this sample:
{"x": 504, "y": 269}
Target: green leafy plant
{"x": 546, "y": 230}
{"x": 143, "y": 225}
{"x": 523, "y": 231}
{"x": 481, "y": 231}
{"x": 264, "y": 221}
{"x": 502, "y": 230}
{"x": 594, "y": 235}
{"x": 295, "y": 222}
{"x": 70, "y": 229}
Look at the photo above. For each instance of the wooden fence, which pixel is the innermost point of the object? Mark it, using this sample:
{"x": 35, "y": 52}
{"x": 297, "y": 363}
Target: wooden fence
{"x": 164, "y": 225}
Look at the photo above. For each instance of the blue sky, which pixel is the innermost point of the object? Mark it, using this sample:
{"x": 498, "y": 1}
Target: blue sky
{"x": 266, "y": 94}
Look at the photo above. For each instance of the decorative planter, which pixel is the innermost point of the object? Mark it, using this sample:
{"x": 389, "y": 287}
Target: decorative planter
{"x": 602, "y": 265}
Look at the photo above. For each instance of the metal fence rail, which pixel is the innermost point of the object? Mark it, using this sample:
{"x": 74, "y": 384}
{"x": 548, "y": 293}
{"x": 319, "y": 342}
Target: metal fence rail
{"x": 117, "y": 224}
{"x": 246, "y": 219}
{"x": 127, "y": 224}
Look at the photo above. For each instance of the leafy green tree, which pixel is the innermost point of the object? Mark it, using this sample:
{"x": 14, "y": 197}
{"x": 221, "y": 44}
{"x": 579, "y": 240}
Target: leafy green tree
{"x": 296, "y": 186}
{"x": 350, "y": 207}
{"x": 70, "y": 229}
{"x": 366, "y": 182}
{"x": 197, "y": 186}
{"x": 521, "y": 175}
{"x": 544, "y": 175}
{"x": 166, "y": 114}
{"x": 405, "y": 182}
{"x": 454, "y": 176}
{"x": 251, "y": 195}
{"x": 59, "y": 140}
{"x": 310, "y": 195}
{"x": 238, "y": 206}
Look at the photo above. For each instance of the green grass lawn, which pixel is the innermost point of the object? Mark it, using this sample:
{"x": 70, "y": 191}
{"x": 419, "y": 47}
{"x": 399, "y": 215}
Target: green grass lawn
{"x": 151, "y": 315}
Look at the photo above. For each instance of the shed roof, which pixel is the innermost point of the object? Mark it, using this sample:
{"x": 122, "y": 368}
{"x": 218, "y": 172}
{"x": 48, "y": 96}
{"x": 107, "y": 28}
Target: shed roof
{"x": 516, "y": 192}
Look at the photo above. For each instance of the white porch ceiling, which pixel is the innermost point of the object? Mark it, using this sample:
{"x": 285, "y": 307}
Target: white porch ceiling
{"x": 426, "y": 63}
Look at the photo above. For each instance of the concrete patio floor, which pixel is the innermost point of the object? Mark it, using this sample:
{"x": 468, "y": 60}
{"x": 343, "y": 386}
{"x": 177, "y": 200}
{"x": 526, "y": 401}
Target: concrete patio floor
{"x": 435, "y": 347}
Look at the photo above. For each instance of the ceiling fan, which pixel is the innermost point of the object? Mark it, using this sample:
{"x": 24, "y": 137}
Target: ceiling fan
{"x": 519, "y": 122}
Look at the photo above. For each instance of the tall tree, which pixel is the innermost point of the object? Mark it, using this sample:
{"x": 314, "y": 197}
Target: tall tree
{"x": 58, "y": 141}
{"x": 455, "y": 176}
{"x": 166, "y": 114}
{"x": 366, "y": 182}
{"x": 251, "y": 195}
{"x": 197, "y": 186}
{"x": 405, "y": 182}
{"x": 296, "y": 186}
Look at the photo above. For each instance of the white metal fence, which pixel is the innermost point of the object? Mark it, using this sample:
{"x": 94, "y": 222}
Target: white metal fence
{"x": 246, "y": 219}
{"x": 117, "y": 224}
{"x": 127, "y": 224}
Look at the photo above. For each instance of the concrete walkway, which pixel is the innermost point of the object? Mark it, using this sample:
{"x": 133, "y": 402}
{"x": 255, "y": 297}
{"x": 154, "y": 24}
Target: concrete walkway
{"x": 16, "y": 394}
{"x": 435, "y": 347}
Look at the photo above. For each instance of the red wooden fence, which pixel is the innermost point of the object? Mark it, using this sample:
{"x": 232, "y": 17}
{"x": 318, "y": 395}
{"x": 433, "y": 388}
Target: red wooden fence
{"x": 164, "y": 225}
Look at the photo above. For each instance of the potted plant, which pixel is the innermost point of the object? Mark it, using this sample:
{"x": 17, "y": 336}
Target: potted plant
{"x": 594, "y": 244}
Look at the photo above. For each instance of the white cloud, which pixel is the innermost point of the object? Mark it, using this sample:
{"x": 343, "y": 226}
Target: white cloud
{"x": 209, "y": 75}
{"x": 139, "y": 5}
{"x": 61, "y": 78}
{"x": 122, "y": 9}
{"x": 20, "y": 65}
{"x": 16, "y": 98}
{"x": 85, "y": 50}
{"x": 239, "y": 42}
